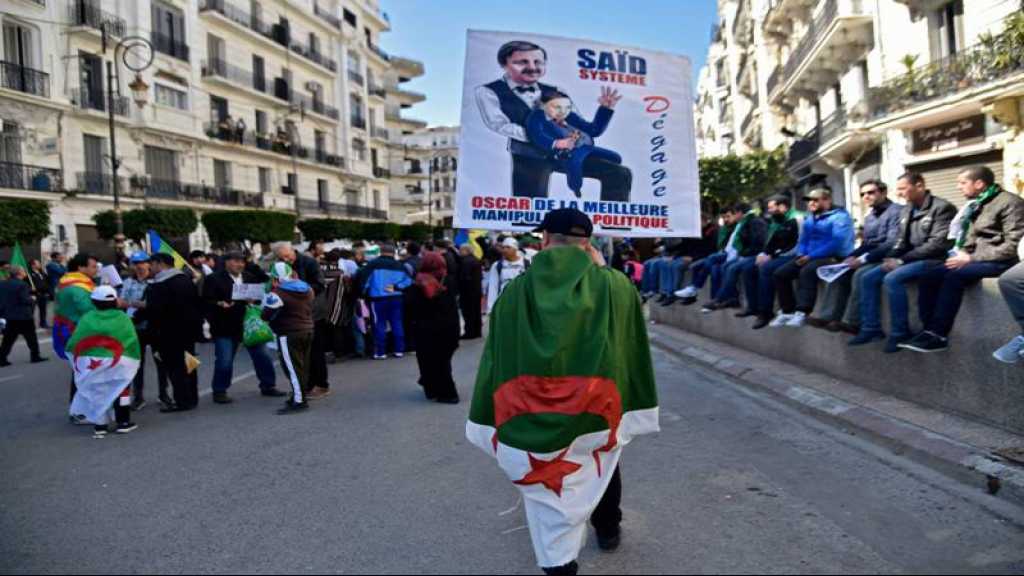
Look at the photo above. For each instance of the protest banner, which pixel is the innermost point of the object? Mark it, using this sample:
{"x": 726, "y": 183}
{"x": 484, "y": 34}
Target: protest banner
{"x": 553, "y": 122}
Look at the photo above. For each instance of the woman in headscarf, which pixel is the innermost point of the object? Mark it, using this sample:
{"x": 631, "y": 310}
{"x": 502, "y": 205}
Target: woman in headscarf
{"x": 435, "y": 315}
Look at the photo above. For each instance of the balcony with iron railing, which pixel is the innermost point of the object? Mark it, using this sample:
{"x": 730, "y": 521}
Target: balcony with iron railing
{"x": 27, "y": 177}
{"x": 833, "y": 127}
{"x": 378, "y": 90}
{"x": 102, "y": 184}
{"x": 89, "y": 100}
{"x": 955, "y": 76}
{"x": 217, "y": 68}
{"x": 839, "y": 34}
{"x": 23, "y": 79}
{"x": 327, "y": 15}
{"x": 276, "y": 33}
{"x": 379, "y": 172}
{"x": 377, "y": 51}
{"x": 171, "y": 46}
{"x": 83, "y": 13}
{"x": 358, "y": 122}
{"x": 805, "y": 148}
{"x": 379, "y": 133}
{"x": 184, "y": 192}
{"x": 356, "y": 77}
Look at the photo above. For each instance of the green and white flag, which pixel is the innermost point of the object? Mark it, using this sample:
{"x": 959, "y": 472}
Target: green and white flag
{"x": 104, "y": 354}
{"x": 565, "y": 382}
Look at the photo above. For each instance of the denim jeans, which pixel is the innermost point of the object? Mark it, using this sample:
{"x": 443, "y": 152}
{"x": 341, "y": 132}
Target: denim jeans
{"x": 385, "y": 312}
{"x": 652, "y": 273}
{"x": 1011, "y": 285}
{"x": 731, "y": 274}
{"x": 942, "y": 292}
{"x": 759, "y": 282}
{"x": 710, "y": 267}
{"x": 225, "y": 350}
{"x": 895, "y": 283}
{"x": 677, "y": 270}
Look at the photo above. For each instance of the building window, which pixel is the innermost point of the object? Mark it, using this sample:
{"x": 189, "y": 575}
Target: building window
{"x": 169, "y": 31}
{"x": 376, "y": 199}
{"x": 323, "y": 193}
{"x": 350, "y": 17}
{"x": 946, "y": 30}
{"x": 167, "y": 96}
{"x": 161, "y": 164}
{"x": 359, "y": 147}
{"x": 19, "y": 45}
{"x": 293, "y": 183}
{"x": 264, "y": 180}
{"x": 221, "y": 174}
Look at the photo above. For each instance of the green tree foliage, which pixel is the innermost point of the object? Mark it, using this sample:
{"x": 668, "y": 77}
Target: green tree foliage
{"x": 167, "y": 222}
{"x": 729, "y": 179}
{"x": 236, "y": 226}
{"x": 24, "y": 221}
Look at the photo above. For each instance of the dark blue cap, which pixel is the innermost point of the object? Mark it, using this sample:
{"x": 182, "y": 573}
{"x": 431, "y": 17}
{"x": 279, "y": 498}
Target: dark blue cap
{"x": 567, "y": 222}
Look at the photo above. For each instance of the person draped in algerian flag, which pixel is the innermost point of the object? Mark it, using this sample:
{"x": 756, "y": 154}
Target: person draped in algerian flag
{"x": 565, "y": 382}
{"x": 73, "y": 302}
{"x": 104, "y": 353}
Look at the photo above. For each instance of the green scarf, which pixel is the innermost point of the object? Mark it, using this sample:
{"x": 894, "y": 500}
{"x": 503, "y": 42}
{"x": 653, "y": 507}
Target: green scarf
{"x": 776, "y": 225}
{"x": 738, "y": 242}
{"x": 971, "y": 213}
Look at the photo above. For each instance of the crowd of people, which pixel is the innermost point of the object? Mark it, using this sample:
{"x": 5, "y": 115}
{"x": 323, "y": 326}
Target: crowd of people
{"x": 318, "y": 307}
{"x": 779, "y": 254}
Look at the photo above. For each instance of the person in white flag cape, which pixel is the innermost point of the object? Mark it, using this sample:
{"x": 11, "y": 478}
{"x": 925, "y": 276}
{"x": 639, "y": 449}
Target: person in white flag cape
{"x": 104, "y": 353}
{"x": 565, "y": 382}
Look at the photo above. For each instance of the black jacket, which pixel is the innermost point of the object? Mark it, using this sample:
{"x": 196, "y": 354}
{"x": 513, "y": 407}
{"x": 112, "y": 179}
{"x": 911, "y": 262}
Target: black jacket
{"x": 785, "y": 238}
{"x": 924, "y": 233}
{"x": 16, "y": 302}
{"x": 753, "y": 236}
{"x": 309, "y": 272}
{"x": 174, "y": 310}
{"x": 471, "y": 274}
{"x": 219, "y": 287}
{"x": 697, "y": 248}
{"x": 435, "y": 321}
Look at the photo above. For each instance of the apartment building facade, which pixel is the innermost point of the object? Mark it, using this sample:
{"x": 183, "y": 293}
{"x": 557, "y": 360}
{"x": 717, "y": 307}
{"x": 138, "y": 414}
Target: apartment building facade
{"x": 861, "y": 89}
{"x": 431, "y": 154}
{"x": 278, "y": 104}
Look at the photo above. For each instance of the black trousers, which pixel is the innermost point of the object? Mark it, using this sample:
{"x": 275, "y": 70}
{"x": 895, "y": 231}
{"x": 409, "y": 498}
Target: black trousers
{"x": 531, "y": 177}
{"x": 318, "y": 355}
{"x": 15, "y": 328}
{"x": 185, "y": 385}
{"x": 41, "y": 303}
{"x": 138, "y": 385}
{"x": 608, "y": 514}
{"x": 808, "y": 285}
{"x": 472, "y": 313}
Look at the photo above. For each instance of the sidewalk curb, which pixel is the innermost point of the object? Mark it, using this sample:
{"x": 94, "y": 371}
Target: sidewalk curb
{"x": 963, "y": 462}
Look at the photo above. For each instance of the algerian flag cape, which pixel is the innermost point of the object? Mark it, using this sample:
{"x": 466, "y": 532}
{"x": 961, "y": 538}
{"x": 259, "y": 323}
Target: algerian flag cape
{"x": 73, "y": 302}
{"x": 104, "y": 355}
{"x": 565, "y": 382}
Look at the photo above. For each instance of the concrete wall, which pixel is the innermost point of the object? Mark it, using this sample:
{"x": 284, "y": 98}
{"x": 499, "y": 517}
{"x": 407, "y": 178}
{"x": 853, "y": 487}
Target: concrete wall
{"x": 965, "y": 380}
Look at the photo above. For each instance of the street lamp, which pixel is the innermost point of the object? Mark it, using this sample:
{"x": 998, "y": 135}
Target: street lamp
{"x": 142, "y": 58}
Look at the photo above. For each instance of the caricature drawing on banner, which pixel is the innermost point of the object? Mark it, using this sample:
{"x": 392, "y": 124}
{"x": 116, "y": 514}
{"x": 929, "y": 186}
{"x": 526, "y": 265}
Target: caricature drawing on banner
{"x": 553, "y": 122}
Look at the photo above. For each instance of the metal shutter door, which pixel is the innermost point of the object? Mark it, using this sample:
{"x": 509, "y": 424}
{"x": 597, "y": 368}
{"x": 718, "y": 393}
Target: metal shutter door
{"x": 941, "y": 174}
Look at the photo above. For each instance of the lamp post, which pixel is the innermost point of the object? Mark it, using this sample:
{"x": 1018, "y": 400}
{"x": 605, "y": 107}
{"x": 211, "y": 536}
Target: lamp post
{"x": 142, "y": 59}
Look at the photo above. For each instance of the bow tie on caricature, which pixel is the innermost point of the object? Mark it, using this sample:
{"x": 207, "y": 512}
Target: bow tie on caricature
{"x": 525, "y": 89}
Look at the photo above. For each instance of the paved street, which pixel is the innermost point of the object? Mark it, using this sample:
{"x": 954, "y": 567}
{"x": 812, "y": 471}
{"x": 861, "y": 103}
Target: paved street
{"x": 375, "y": 479}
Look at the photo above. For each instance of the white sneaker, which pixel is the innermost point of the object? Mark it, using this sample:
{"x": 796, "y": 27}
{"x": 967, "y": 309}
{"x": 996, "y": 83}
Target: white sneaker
{"x": 399, "y": 355}
{"x": 797, "y": 320}
{"x": 1012, "y": 353}
{"x": 688, "y": 292}
{"x": 781, "y": 320}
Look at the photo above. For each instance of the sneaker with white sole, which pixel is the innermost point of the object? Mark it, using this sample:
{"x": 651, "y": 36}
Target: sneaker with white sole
{"x": 399, "y": 355}
{"x": 797, "y": 320}
{"x": 1012, "y": 353}
{"x": 127, "y": 428}
{"x": 781, "y": 320}
{"x": 99, "y": 432}
{"x": 379, "y": 357}
{"x": 688, "y": 292}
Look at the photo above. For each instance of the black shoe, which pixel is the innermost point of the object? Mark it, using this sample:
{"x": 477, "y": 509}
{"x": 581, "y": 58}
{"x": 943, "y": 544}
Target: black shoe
{"x": 927, "y": 342}
{"x": 293, "y": 408}
{"x": 39, "y": 360}
{"x": 661, "y": 299}
{"x": 669, "y": 300}
{"x": 4, "y": 363}
{"x": 452, "y": 400}
{"x": 762, "y": 322}
{"x": 126, "y": 428}
{"x": 273, "y": 393}
{"x": 609, "y": 543}
{"x": 138, "y": 404}
{"x": 746, "y": 314}
{"x": 171, "y": 409}
{"x": 689, "y": 301}
{"x": 221, "y": 398}
{"x": 570, "y": 569}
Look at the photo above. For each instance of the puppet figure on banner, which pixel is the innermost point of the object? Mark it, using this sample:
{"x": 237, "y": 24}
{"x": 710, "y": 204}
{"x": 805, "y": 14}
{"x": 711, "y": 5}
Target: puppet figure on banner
{"x": 554, "y": 122}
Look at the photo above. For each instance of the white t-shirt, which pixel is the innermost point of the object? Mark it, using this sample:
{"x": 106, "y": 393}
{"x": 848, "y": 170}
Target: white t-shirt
{"x": 495, "y": 285}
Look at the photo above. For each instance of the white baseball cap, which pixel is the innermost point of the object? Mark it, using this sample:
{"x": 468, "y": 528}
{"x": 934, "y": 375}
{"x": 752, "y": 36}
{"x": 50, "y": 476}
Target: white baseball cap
{"x": 104, "y": 294}
{"x": 510, "y": 242}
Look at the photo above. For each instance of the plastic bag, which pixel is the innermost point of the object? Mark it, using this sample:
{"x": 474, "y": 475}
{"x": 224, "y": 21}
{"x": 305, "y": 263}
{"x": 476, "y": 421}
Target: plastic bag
{"x": 256, "y": 332}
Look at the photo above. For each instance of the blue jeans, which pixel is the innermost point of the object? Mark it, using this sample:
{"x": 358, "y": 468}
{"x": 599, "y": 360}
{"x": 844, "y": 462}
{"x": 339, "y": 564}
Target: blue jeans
{"x": 385, "y": 312}
{"x": 760, "y": 284}
{"x": 731, "y": 274}
{"x": 677, "y": 268}
{"x": 942, "y": 292}
{"x": 895, "y": 283}
{"x": 225, "y": 350}
{"x": 358, "y": 340}
{"x": 710, "y": 267}
{"x": 652, "y": 271}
